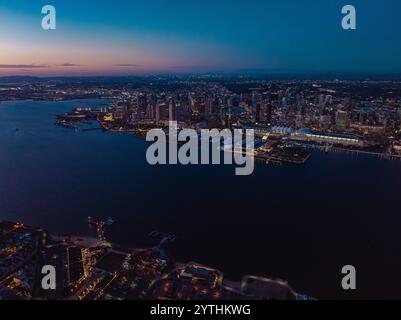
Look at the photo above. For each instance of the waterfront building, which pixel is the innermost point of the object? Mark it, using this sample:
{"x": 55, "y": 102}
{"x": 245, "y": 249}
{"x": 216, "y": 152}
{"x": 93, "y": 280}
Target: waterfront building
{"x": 308, "y": 135}
{"x": 282, "y": 130}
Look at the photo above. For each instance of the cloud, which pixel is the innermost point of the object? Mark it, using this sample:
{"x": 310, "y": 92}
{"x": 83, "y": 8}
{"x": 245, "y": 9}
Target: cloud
{"x": 156, "y": 67}
{"x": 127, "y": 65}
{"x": 184, "y": 67}
{"x": 70, "y": 65}
{"x": 23, "y": 66}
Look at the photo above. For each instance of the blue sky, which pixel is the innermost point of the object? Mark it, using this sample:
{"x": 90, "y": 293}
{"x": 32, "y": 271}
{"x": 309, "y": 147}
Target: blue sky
{"x": 220, "y": 35}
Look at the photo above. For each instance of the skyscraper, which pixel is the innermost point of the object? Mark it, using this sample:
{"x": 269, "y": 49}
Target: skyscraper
{"x": 258, "y": 111}
{"x": 149, "y": 111}
{"x": 208, "y": 106}
{"x": 341, "y": 120}
{"x": 172, "y": 110}
{"x": 256, "y": 98}
{"x": 157, "y": 116}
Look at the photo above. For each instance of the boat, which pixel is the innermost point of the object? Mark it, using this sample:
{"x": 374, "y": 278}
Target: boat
{"x": 109, "y": 221}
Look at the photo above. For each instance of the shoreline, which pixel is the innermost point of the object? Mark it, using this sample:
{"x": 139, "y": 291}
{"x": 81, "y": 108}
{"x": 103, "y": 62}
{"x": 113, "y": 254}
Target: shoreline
{"x": 277, "y": 288}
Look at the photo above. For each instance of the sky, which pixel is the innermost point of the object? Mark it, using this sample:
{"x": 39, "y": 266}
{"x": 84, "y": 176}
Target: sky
{"x": 97, "y": 37}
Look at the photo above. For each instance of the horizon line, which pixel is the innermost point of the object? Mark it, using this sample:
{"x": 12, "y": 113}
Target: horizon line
{"x": 258, "y": 73}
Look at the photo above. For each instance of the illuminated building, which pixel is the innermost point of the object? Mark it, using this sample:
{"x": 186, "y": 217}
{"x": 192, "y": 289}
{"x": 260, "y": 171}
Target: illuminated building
{"x": 323, "y": 137}
{"x": 341, "y": 120}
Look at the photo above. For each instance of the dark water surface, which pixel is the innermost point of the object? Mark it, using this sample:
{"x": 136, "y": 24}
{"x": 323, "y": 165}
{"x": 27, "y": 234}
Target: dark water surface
{"x": 299, "y": 223}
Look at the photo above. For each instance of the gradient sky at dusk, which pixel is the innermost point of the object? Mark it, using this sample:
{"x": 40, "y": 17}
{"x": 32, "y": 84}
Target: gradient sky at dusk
{"x": 141, "y": 36}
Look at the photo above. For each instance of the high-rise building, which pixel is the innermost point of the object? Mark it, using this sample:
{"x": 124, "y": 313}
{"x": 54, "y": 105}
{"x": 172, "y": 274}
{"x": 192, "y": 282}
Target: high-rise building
{"x": 347, "y": 103}
{"x": 209, "y": 106}
{"x": 246, "y": 98}
{"x": 329, "y": 99}
{"x": 258, "y": 112}
{"x": 325, "y": 121}
{"x": 362, "y": 117}
{"x": 269, "y": 113}
{"x": 256, "y": 98}
{"x": 341, "y": 120}
{"x": 157, "y": 116}
{"x": 172, "y": 110}
{"x": 322, "y": 101}
{"x": 192, "y": 102}
{"x": 149, "y": 111}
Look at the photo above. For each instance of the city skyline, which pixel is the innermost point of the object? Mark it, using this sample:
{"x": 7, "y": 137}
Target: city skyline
{"x": 73, "y": 147}
{"x": 130, "y": 38}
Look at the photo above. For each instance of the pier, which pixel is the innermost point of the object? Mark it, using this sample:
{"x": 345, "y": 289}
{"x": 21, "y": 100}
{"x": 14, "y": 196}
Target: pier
{"x": 100, "y": 226}
{"x": 164, "y": 238}
{"x": 327, "y": 148}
